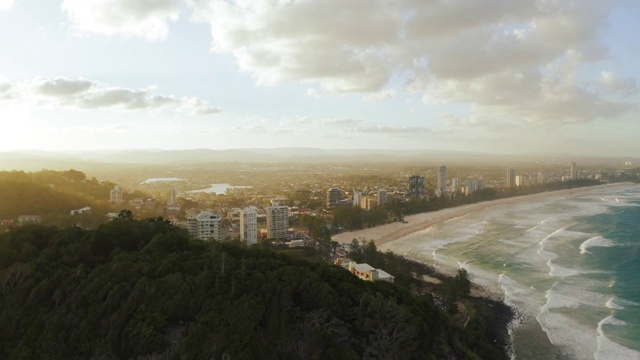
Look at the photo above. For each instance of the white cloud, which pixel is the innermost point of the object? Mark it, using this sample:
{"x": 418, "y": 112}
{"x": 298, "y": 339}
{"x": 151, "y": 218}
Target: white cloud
{"x": 86, "y": 94}
{"x": 6, "y": 4}
{"x": 498, "y": 55}
{"x": 394, "y": 130}
{"x": 145, "y": 18}
{"x": 611, "y": 82}
{"x": 382, "y": 95}
{"x": 514, "y": 60}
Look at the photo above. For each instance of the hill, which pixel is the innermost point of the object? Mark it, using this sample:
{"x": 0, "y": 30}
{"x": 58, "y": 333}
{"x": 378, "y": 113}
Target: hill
{"x": 52, "y": 195}
{"x": 133, "y": 289}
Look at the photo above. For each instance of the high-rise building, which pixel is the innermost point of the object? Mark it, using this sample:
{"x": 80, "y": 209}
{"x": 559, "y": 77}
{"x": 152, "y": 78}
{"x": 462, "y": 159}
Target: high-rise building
{"x": 542, "y": 178}
{"x": 333, "y": 196}
{"x": 480, "y": 184}
{"x": 511, "y": 178}
{"x": 455, "y": 185}
{"x": 357, "y": 195}
{"x": 172, "y": 197}
{"x": 574, "y": 171}
{"x": 205, "y": 226}
{"x": 442, "y": 180}
{"x": 249, "y": 225}
{"x": 416, "y": 186}
{"x": 382, "y": 196}
{"x": 368, "y": 203}
{"x": 116, "y": 196}
{"x": 521, "y": 181}
{"x": 277, "y": 222}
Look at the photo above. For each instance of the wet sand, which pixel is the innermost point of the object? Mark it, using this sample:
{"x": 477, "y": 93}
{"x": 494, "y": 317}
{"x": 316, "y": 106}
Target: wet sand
{"x": 414, "y": 223}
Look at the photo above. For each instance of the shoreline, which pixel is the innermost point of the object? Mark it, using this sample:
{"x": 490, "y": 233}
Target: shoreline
{"x": 506, "y": 317}
{"x": 413, "y": 223}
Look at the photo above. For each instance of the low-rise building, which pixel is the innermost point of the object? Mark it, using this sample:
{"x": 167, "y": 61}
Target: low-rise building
{"x": 29, "y": 219}
{"x": 365, "y": 272}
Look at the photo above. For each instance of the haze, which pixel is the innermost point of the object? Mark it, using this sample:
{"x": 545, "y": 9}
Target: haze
{"x": 499, "y": 76}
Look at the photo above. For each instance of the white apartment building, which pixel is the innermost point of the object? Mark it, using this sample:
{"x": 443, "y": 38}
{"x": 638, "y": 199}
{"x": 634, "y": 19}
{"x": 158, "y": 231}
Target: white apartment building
{"x": 357, "y": 195}
{"x": 455, "y": 185}
{"x": 249, "y": 225}
{"x": 205, "y": 226}
{"x": 116, "y": 196}
{"x": 277, "y": 222}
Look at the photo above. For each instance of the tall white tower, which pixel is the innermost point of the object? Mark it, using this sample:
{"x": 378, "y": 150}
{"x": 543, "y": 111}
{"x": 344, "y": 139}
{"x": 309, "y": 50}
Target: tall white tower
{"x": 249, "y": 225}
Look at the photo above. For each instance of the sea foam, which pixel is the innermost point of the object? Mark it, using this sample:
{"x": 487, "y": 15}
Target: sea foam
{"x": 609, "y": 350}
{"x": 596, "y": 241}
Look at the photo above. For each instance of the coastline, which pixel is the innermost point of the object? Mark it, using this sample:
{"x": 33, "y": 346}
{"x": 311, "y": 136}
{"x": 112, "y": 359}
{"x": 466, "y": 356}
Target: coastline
{"x": 413, "y": 223}
{"x": 506, "y": 316}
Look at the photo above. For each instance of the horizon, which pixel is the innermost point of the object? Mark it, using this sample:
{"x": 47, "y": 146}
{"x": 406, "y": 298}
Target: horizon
{"x": 505, "y": 78}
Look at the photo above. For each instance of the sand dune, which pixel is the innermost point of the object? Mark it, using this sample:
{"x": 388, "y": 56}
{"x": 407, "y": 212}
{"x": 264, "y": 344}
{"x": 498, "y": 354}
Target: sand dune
{"x": 414, "y": 223}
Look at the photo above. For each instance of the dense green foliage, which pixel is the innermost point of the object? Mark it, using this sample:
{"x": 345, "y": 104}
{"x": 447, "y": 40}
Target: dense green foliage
{"x": 142, "y": 288}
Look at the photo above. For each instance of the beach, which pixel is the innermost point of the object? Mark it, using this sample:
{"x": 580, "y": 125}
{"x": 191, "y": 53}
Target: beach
{"x": 413, "y": 223}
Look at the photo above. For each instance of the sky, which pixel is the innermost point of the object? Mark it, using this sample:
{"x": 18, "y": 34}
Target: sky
{"x": 501, "y": 76}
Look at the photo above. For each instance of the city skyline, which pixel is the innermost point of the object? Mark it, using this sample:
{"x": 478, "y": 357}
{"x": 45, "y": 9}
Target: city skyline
{"x": 184, "y": 74}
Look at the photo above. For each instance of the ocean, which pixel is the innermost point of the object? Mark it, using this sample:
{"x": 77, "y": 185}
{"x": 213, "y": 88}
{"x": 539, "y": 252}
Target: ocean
{"x": 570, "y": 265}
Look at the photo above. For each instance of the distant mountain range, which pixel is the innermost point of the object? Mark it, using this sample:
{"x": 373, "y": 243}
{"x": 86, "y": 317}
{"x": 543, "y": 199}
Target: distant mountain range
{"x": 36, "y": 160}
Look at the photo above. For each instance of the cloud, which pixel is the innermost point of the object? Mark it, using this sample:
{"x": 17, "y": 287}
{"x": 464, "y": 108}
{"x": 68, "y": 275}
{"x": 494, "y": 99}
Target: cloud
{"x": 87, "y": 94}
{"x": 501, "y": 56}
{"x": 394, "y": 130}
{"x": 382, "y": 95}
{"x": 514, "y": 60}
{"x": 144, "y": 18}
{"x": 6, "y": 4}
{"x": 611, "y": 82}
{"x": 6, "y": 89}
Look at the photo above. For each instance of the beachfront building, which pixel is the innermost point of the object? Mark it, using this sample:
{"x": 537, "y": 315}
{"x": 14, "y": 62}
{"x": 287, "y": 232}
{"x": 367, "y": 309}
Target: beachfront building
{"x": 382, "y": 196}
{"x": 357, "y": 195}
{"x": 368, "y": 203}
{"x": 365, "y": 272}
{"x": 542, "y": 178}
{"x": 277, "y": 222}
{"x": 249, "y": 225}
{"x": 574, "y": 171}
{"x": 511, "y": 178}
{"x": 442, "y": 181}
{"x": 416, "y": 186}
{"x": 455, "y": 185}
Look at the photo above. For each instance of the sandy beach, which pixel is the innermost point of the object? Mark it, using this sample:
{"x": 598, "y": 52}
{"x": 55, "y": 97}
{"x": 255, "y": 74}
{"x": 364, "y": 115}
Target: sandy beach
{"x": 414, "y": 223}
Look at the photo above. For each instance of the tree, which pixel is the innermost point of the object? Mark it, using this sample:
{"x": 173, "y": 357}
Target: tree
{"x": 125, "y": 214}
{"x": 462, "y": 283}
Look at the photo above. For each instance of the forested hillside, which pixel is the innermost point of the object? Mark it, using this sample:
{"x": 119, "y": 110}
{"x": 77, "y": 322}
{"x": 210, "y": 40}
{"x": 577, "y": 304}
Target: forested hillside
{"x": 142, "y": 288}
{"x": 51, "y": 194}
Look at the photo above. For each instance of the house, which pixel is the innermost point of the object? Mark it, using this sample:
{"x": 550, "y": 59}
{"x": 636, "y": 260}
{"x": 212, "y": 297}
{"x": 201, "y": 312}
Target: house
{"x": 84, "y": 210}
{"x": 365, "y": 272}
{"x": 29, "y": 219}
